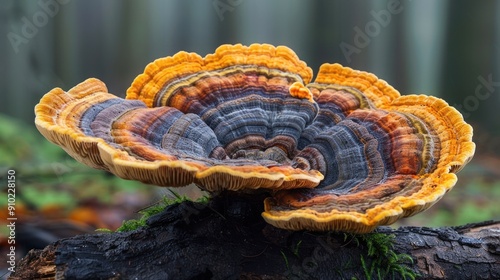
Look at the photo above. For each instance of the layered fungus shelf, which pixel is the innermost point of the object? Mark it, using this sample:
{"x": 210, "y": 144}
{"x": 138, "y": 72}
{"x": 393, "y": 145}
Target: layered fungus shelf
{"x": 345, "y": 152}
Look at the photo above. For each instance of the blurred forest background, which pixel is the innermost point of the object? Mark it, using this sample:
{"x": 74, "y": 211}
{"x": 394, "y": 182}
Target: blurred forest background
{"x": 441, "y": 48}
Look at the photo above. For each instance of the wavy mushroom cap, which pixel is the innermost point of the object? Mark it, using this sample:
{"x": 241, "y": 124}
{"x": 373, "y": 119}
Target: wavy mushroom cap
{"x": 384, "y": 156}
{"x": 346, "y": 152}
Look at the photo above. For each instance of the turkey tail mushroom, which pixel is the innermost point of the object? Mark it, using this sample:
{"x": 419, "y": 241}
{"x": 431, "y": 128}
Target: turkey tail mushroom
{"x": 346, "y": 152}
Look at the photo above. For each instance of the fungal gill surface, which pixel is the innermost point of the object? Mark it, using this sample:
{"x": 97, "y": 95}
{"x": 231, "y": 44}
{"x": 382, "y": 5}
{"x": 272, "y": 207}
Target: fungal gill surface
{"x": 346, "y": 152}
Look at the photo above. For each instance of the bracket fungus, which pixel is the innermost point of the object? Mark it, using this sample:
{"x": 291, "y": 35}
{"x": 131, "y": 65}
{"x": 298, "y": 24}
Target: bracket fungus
{"x": 345, "y": 152}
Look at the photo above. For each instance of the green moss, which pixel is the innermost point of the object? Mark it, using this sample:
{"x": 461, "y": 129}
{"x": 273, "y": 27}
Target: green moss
{"x": 286, "y": 259}
{"x": 155, "y": 209}
{"x": 104, "y": 230}
{"x": 295, "y": 249}
{"x": 381, "y": 261}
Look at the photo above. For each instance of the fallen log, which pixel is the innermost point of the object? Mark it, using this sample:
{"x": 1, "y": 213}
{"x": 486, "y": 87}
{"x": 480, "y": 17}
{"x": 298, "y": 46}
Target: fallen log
{"x": 227, "y": 239}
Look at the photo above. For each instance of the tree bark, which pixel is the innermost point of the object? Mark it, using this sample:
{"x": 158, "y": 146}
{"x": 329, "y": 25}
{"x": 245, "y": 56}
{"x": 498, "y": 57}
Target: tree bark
{"x": 227, "y": 239}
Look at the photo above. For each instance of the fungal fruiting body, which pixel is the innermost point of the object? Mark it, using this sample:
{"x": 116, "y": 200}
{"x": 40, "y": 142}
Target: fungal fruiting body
{"x": 345, "y": 152}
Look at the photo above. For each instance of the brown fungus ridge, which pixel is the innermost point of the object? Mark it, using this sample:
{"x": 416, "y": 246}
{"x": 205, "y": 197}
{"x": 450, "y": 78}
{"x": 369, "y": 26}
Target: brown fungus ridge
{"x": 346, "y": 152}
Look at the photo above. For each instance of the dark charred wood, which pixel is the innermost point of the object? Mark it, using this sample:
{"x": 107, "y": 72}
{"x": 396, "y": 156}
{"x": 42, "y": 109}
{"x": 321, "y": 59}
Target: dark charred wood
{"x": 227, "y": 239}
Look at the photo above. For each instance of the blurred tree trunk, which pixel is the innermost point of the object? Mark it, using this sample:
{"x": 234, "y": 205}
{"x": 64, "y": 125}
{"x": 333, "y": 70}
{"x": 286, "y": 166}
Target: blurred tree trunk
{"x": 429, "y": 46}
{"x": 472, "y": 57}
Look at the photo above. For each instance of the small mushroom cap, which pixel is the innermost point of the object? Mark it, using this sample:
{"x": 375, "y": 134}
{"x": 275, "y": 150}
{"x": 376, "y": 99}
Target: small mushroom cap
{"x": 346, "y": 152}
